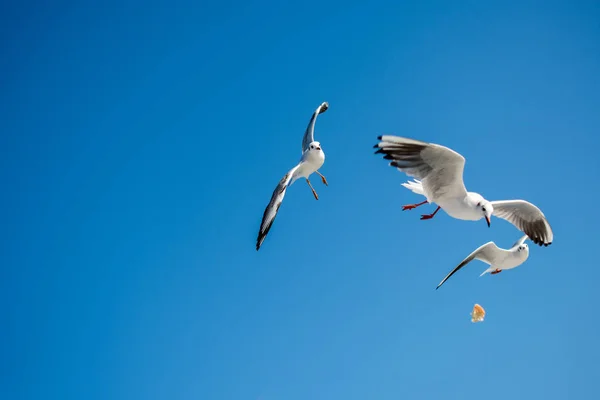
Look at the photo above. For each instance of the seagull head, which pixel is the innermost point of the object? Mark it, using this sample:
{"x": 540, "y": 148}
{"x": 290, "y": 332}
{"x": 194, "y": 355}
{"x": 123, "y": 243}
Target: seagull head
{"x": 487, "y": 210}
{"x": 314, "y": 146}
{"x": 523, "y": 247}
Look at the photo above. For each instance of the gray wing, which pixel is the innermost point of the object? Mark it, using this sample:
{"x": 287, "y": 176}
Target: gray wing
{"x": 486, "y": 253}
{"x": 439, "y": 168}
{"x": 273, "y": 207}
{"x": 309, "y": 135}
{"x": 527, "y": 218}
{"x": 520, "y": 241}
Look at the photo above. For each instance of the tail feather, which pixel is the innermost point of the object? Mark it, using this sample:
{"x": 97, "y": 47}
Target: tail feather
{"x": 490, "y": 269}
{"x": 415, "y": 186}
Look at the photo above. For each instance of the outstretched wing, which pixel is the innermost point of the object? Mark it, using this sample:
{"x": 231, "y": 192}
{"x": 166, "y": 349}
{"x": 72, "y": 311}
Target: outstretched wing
{"x": 439, "y": 168}
{"x": 527, "y": 218}
{"x": 309, "y": 135}
{"x": 273, "y": 207}
{"x": 520, "y": 241}
{"x": 486, "y": 253}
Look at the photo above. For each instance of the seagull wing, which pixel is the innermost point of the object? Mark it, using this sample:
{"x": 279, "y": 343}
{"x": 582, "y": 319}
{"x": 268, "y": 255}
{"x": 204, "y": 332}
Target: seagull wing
{"x": 520, "y": 241}
{"x": 273, "y": 206}
{"x": 439, "y": 168}
{"x": 309, "y": 135}
{"x": 527, "y": 218}
{"x": 486, "y": 253}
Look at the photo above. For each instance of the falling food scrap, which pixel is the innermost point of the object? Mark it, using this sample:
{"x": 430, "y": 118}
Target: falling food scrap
{"x": 478, "y": 313}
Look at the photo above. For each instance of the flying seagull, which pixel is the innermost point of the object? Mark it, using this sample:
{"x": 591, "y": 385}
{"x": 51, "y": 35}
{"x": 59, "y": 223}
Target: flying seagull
{"x": 439, "y": 177}
{"x": 498, "y": 259}
{"x": 311, "y": 160}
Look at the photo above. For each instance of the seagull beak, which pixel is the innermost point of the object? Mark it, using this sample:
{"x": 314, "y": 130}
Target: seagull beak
{"x": 487, "y": 219}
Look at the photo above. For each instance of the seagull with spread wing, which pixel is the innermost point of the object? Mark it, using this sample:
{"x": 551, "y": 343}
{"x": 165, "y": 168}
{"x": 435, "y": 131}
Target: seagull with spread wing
{"x": 498, "y": 259}
{"x": 311, "y": 160}
{"x": 439, "y": 177}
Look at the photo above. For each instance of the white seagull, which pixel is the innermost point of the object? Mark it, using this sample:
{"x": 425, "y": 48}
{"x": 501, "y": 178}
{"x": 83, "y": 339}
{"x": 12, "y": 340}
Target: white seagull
{"x": 312, "y": 159}
{"x": 498, "y": 259}
{"x": 439, "y": 177}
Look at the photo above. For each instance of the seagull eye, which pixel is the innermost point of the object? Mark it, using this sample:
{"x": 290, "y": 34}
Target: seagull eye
{"x": 483, "y": 208}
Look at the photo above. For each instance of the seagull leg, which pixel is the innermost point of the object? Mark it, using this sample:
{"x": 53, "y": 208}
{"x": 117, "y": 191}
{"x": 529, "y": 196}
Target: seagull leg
{"x": 411, "y": 206}
{"x": 429, "y": 216}
{"x": 322, "y": 178}
{"x": 497, "y": 271}
{"x": 311, "y": 188}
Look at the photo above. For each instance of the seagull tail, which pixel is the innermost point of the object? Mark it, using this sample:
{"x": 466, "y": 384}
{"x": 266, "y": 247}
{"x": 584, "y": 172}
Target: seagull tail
{"x": 490, "y": 269}
{"x": 415, "y": 186}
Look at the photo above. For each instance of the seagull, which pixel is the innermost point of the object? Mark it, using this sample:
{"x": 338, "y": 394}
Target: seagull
{"x": 311, "y": 160}
{"x": 498, "y": 259}
{"x": 439, "y": 177}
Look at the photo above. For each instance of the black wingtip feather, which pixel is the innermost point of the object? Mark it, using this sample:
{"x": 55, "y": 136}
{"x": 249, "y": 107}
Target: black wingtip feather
{"x": 379, "y": 137}
{"x": 541, "y": 242}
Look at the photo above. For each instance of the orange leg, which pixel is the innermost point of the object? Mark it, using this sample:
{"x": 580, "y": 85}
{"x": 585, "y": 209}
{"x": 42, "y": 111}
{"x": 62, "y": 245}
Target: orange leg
{"x": 313, "y": 190}
{"x": 411, "y": 206}
{"x": 429, "y": 216}
{"x": 322, "y": 178}
{"x": 497, "y": 271}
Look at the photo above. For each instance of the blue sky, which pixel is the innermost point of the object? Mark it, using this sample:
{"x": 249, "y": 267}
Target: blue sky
{"x": 141, "y": 142}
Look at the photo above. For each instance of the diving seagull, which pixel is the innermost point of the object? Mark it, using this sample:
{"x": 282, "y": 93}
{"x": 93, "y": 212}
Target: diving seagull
{"x": 439, "y": 177}
{"x": 498, "y": 259}
{"x": 311, "y": 160}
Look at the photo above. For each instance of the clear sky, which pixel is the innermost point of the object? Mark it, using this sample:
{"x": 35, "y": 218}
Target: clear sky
{"x": 141, "y": 142}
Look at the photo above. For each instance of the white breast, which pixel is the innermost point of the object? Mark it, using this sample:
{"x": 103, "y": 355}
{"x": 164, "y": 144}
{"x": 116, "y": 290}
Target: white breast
{"x": 459, "y": 209}
{"x": 311, "y": 161}
{"x": 315, "y": 159}
{"x": 514, "y": 259}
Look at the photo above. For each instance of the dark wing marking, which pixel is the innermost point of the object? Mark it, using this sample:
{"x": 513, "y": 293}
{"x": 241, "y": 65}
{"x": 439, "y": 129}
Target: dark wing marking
{"x": 439, "y": 168}
{"x": 273, "y": 207}
{"x": 527, "y": 218}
